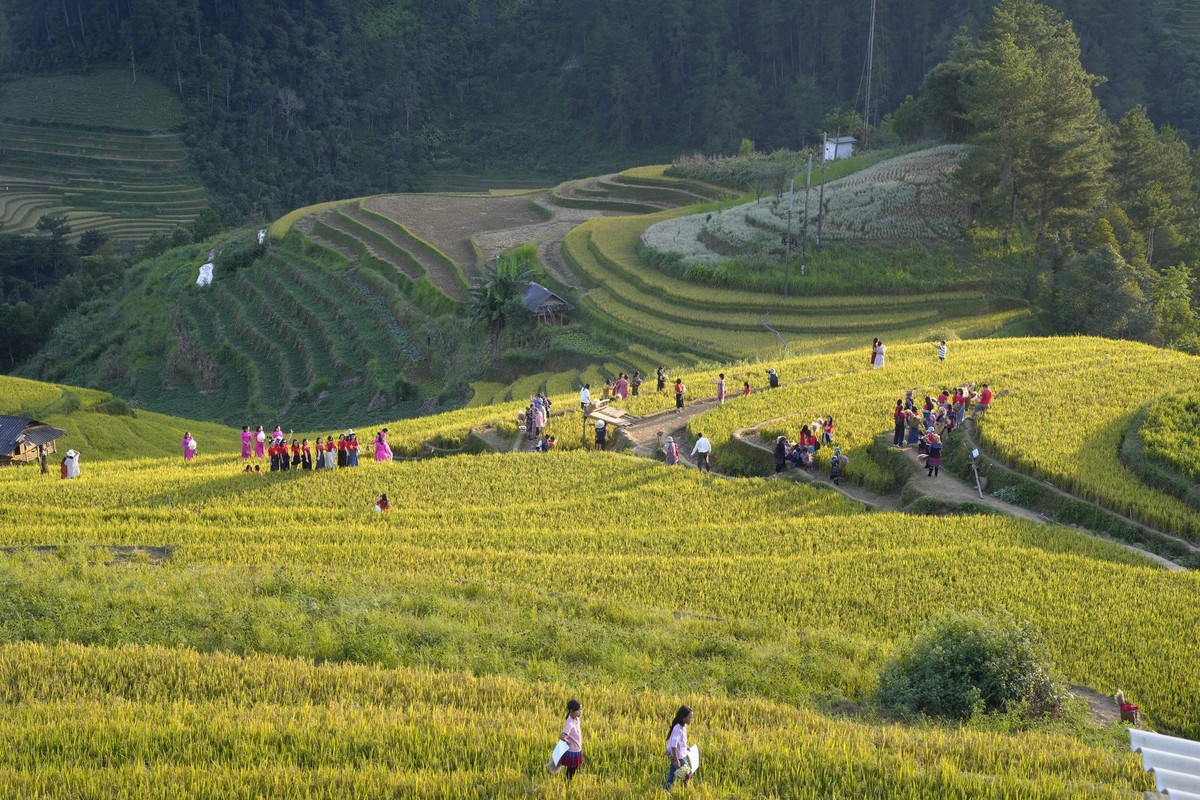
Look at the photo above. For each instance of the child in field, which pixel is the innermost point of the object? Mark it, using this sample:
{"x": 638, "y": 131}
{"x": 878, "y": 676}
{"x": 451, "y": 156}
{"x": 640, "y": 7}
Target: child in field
{"x": 720, "y": 382}
{"x": 381, "y": 504}
{"x": 942, "y": 351}
{"x": 573, "y": 736}
{"x": 677, "y": 748}
{"x": 745, "y": 388}
{"x": 189, "y": 447}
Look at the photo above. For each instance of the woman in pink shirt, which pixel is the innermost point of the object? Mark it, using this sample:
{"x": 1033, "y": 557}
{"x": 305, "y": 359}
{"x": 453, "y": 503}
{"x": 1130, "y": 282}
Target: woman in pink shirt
{"x": 260, "y": 438}
{"x": 573, "y": 736}
{"x": 247, "y": 440}
{"x": 189, "y": 447}
{"x": 677, "y": 746}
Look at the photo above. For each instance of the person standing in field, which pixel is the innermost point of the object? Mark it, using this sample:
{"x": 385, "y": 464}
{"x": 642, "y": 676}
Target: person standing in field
{"x": 745, "y": 388}
{"x": 260, "y": 439}
{"x": 679, "y": 391}
{"x": 677, "y": 747}
{"x": 720, "y": 382}
{"x": 772, "y": 378}
{"x": 247, "y": 441}
{"x": 874, "y": 350}
{"x": 189, "y": 447}
{"x": 880, "y": 350}
{"x": 601, "y": 434}
{"x": 296, "y": 459}
{"x": 331, "y": 453}
{"x": 660, "y": 376}
{"x": 585, "y": 397}
{"x": 381, "y": 504}
{"x": 572, "y": 734}
{"x": 42, "y": 459}
{"x": 985, "y": 402}
{"x": 898, "y": 419}
{"x": 837, "y": 466}
{"x": 382, "y": 451}
{"x": 671, "y": 451}
{"x": 781, "y": 453}
{"x": 636, "y": 383}
{"x": 621, "y": 387}
{"x": 942, "y": 351}
{"x": 319, "y": 456}
{"x": 306, "y": 461}
{"x": 702, "y": 452}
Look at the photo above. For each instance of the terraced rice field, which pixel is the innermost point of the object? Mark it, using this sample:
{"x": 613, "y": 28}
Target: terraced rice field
{"x": 98, "y": 149}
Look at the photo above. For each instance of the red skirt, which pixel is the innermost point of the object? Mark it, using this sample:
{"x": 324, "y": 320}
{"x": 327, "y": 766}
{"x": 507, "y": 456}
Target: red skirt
{"x": 571, "y": 760}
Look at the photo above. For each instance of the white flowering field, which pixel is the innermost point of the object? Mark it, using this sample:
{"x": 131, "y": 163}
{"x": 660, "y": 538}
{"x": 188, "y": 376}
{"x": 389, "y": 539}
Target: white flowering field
{"x": 904, "y": 199}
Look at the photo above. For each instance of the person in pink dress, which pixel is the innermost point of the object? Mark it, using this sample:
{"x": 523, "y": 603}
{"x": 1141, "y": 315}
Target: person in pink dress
{"x": 382, "y": 451}
{"x": 621, "y": 387}
{"x": 260, "y": 442}
{"x": 189, "y": 447}
{"x": 247, "y": 439}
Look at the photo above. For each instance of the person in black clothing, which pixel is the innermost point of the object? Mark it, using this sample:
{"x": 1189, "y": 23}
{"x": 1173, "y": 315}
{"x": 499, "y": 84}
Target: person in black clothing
{"x": 661, "y": 376}
{"x": 933, "y": 461}
{"x": 781, "y": 453}
{"x": 773, "y": 378}
{"x": 898, "y": 417}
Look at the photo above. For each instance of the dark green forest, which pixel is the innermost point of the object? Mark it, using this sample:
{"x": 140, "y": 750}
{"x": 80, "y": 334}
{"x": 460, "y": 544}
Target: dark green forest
{"x": 295, "y": 102}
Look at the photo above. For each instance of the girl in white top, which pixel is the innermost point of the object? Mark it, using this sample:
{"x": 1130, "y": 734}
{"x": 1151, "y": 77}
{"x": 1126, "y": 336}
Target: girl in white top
{"x": 677, "y": 746}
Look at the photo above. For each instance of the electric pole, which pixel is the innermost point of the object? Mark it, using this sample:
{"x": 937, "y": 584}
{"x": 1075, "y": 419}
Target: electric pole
{"x": 787, "y": 258}
{"x": 804, "y": 241}
{"x": 821, "y": 196}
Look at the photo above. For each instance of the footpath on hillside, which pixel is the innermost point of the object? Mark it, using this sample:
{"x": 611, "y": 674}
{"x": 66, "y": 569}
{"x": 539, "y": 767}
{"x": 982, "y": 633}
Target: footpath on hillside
{"x": 644, "y": 437}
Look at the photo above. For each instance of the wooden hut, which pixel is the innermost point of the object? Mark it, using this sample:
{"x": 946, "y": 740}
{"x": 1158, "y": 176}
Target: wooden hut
{"x": 544, "y": 305}
{"x": 20, "y": 437}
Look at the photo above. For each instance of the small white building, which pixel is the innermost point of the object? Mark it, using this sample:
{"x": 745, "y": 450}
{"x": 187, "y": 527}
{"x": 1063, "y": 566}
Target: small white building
{"x": 839, "y": 147}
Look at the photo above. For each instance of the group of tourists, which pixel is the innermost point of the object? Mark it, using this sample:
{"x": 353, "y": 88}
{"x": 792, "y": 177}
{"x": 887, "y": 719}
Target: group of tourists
{"x": 535, "y": 416}
{"x": 800, "y": 453}
{"x": 299, "y": 453}
{"x": 569, "y": 754}
{"x": 925, "y": 425}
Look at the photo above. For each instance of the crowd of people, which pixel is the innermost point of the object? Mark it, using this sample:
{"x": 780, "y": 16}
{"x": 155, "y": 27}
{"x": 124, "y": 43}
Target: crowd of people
{"x": 298, "y": 454}
{"x": 569, "y": 754}
{"x": 926, "y": 426}
{"x": 800, "y": 453}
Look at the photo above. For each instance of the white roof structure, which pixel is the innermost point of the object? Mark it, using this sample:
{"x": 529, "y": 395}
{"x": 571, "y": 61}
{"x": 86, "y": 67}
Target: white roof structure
{"x": 1174, "y": 762}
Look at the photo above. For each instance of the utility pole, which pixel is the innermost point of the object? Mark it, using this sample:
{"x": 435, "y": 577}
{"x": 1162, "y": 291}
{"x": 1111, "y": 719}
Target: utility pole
{"x": 804, "y": 241}
{"x": 821, "y": 196}
{"x": 787, "y": 258}
{"x": 870, "y": 58}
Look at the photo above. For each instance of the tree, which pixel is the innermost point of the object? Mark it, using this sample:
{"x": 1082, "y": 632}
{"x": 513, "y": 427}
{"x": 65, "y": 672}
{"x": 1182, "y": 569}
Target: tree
{"x": 1099, "y": 294}
{"x": 941, "y": 100}
{"x": 290, "y": 104}
{"x": 498, "y": 294}
{"x": 1178, "y": 323}
{"x": 1041, "y": 137}
{"x": 908, "y": 121}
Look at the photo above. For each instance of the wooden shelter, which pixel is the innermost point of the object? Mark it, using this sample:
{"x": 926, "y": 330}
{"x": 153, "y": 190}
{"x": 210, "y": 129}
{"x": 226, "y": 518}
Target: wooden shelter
{"x": 544, "y": 305}
{"x": 20, "y": 437}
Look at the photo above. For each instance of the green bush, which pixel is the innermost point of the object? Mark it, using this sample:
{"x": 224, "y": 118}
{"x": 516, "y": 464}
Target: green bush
{"x": 966, "y": 664}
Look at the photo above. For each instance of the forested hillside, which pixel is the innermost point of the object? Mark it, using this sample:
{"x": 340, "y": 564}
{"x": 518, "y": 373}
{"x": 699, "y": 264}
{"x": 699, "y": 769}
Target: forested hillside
{"x": 294, "y": 102}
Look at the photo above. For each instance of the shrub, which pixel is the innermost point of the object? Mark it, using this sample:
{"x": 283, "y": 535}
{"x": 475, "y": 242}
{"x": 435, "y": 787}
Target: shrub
{"x": 967, "y": 663}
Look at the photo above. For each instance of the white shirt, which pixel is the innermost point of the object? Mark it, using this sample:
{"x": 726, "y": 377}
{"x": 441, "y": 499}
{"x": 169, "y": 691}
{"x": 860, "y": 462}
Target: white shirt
{"x": 703, "y": 445}
{"x": 942, "y": 351}
{"x": 585, "y": 397}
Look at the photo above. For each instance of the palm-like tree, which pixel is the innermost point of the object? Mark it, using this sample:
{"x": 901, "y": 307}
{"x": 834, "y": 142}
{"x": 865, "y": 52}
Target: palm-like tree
{"x": 498, "y": 292}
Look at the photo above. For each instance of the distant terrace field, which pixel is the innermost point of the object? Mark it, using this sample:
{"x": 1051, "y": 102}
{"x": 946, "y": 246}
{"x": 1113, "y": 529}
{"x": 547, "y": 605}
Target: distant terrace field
{"x": 98, "y": 150}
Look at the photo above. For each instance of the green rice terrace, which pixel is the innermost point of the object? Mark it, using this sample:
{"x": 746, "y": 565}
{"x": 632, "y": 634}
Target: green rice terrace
{"x": 335, "y": 313}
{"x": 98, "y": 149}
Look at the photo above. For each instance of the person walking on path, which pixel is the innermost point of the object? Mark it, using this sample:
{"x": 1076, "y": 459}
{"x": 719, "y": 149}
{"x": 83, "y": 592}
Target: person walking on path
{"x": 898, "y": 419}
{"x": 720, "y": 382}
{"x": 260, "y": 441}
{"x": 382, "y": 451}
{"x": 671, "y": 451}
{"x": 933, "y": 458}
{"x": 702, "y": 452}
{"x": 572, "y": 734}
{"x": 660, "y": 377}
{"x": 679, "y": 392}
{"x": 189, "y": 447}
{"x": 677, "y": 748}
{"x": 877, "y": 361}
{"x": 247, "y": 441}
